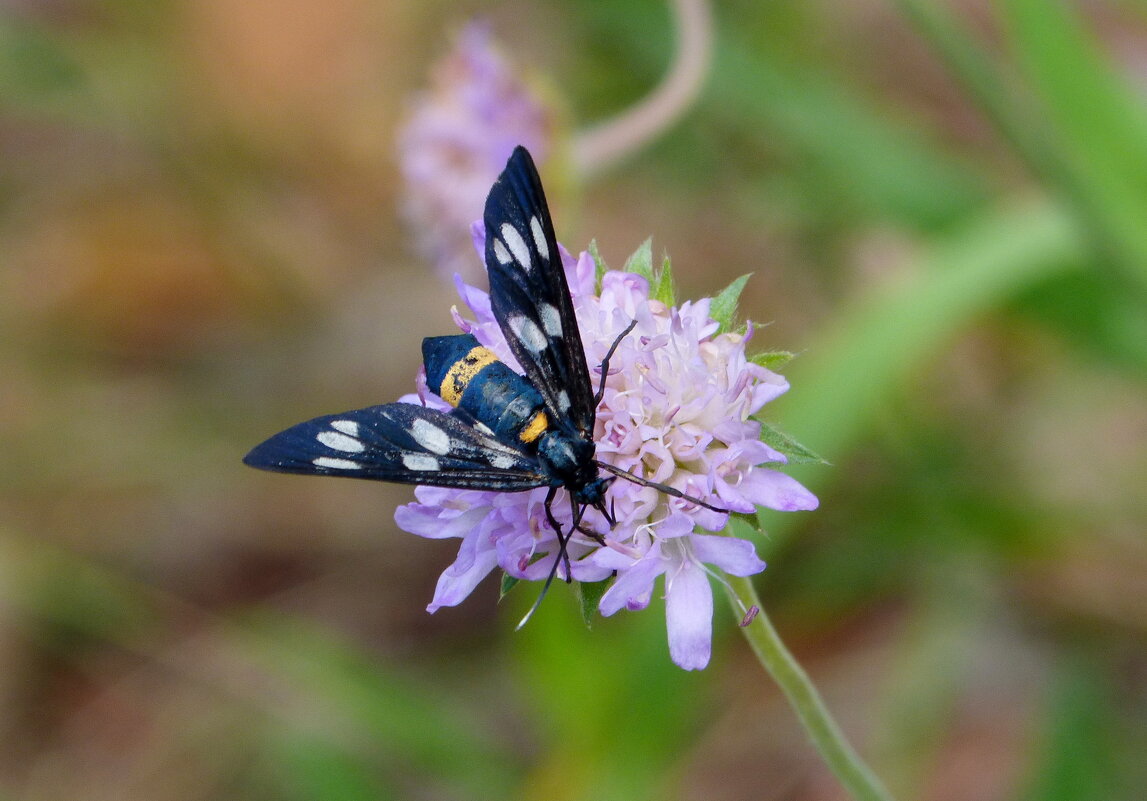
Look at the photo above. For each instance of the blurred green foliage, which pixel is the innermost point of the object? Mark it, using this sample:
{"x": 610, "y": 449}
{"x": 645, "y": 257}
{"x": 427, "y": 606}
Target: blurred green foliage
{"x": 942, "y": 206}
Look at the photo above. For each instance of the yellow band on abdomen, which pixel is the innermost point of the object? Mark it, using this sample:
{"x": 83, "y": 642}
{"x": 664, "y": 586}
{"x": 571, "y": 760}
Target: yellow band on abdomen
{"x": 462, "y": 372}
{"x": 533, "y": 429}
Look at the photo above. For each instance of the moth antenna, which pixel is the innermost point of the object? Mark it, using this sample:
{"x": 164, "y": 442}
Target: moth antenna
{"x": 605, "y": 362}
{"x": 668, "y": 490}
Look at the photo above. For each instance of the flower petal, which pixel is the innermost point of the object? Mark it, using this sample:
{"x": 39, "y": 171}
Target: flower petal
{"x": 478, "y": 237}
{"x": 676, "y": 525}
{"x": 633, "y": 587}
{"x": 689, "y": 618}
{"x": 436, "y": 522}
{"x": 459, "y": 580}
{"x": 475, "y": 299}
{"x": 777, "y": 491}
{"x": 735, "y": 556}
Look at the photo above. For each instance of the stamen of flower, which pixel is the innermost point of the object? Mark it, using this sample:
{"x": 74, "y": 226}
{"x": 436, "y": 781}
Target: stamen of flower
{"x": 670, "y": 576}
{"x": 623, "y": 549}
{"x": 653, "y": 381}
{"x": 747, "y": 615}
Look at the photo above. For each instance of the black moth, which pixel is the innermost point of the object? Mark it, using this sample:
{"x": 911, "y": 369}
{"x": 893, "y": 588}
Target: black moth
{"x": 506, "y": 432}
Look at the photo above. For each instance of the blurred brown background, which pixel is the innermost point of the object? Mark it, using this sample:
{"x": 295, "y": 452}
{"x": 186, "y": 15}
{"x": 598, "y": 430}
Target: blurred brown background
{"x": 200, "y": 244}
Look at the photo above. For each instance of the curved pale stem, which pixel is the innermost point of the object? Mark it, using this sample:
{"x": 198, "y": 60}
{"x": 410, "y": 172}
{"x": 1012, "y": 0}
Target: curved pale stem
{"x": 602, "y": 145}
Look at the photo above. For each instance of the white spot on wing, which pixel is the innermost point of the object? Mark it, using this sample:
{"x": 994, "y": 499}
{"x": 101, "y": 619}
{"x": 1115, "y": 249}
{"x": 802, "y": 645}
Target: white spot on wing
{"x": 563, "y": 401}
{"x": 539, "y": 237}
{"x": 340, "y": 442}
{"x": 337, "y": 464}
{"x": 551, "y": 320}
{"x": 500, "y": 253}
{"x": 419, "y": 461}
{"x": 430, "y": 436}
{"x": 348, "y": 427}
{"x": 528, "y": 333}
{"x": 517, "y": 246}
{"x": 503, "y": 461}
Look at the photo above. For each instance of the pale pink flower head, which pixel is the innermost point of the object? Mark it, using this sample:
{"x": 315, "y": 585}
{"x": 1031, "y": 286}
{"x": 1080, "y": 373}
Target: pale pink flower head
{"x": 456, "y": 140}
{"x": 679, "y": 408}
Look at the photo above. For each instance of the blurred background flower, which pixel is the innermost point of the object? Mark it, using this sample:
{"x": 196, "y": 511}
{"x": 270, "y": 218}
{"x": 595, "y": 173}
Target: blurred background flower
{"x": 200, "y": 243}
{"x": 456, "y": 140}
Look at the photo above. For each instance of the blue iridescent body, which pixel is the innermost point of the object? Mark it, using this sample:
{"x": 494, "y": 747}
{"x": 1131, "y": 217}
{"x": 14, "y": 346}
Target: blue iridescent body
{"x": 469, "y": 376}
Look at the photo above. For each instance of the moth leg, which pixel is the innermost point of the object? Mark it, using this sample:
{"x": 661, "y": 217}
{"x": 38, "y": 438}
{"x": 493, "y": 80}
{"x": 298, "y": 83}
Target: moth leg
{"x": 605, "y": 363}
{"x": 578, "y": 513}
{"x": 563, "y": 541}
{"x": 563, "y": 555}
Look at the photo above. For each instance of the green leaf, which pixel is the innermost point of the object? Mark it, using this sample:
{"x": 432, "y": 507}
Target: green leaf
{"x": 797, "y": 453}
{"x": 1097, "y": 122}
{"x": 305, "y": 765}
{"x": 750, "y": 520}
{"x": 1081, "y": 736}
{"x": 383, "y": 709}
{"x": 508, "y": 583}
{"x": 724, "y": 306}
{"x": 662, "y": 288}
{"x": 641, "y": 262}
{"x": 881, "y": 169}
{"x": 599, "y": 266}
{"x": 34, "y": 65}
{"x": 865, "y": 356}
{"x": 772, "y": 359}
{"x": 588, "y": 595}
{"x": 795, "y": 106}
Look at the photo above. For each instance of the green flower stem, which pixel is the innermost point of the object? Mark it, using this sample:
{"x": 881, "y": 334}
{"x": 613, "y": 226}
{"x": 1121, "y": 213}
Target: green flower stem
{"x": 826, "y": 735}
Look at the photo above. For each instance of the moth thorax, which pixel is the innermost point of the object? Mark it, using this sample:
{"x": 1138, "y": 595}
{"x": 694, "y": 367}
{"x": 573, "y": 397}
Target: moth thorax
{"x": 568, "y": 458}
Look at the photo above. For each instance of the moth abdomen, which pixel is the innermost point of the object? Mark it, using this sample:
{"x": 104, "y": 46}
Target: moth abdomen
{"x": 467, "y": 375}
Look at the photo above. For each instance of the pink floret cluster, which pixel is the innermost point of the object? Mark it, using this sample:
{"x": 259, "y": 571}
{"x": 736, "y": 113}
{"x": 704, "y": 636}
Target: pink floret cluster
{"x": 678, "y": 409}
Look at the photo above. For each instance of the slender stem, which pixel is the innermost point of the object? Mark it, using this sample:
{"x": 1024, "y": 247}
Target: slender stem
{"x": 826, "y": 735}
{"x": 606, "y": 143}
